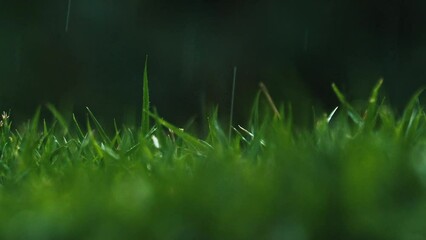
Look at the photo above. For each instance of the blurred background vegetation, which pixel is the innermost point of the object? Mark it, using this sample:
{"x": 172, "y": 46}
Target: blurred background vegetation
{"x": 298, "y": 48}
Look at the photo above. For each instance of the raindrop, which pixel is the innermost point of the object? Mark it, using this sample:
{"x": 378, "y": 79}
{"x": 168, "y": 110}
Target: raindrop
{"x": 68, "y": 16}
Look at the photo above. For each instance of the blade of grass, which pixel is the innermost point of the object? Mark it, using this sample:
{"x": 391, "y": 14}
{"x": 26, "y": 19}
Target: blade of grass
{"x": 180, "y": 133}
{"x": 35, "y": 120}
{"x": 93, "y": 141}
{"x": 101, "y": 130}
{"x": 351, "y": 111}
{"x": 414, "y": 124}
{"x": 78, "y": 126}
{"x": 269, "y": 98}
{"x": 410, "y": 112}
{"x": 117, "y": 138}
{"x": 216, "y": 134}
{"x": 58, "y": 117}
{"x": 371, "y": 113}
{"x": 145, "y": 100}
{"x": 254, "y": 121}
{"x": 45, "y": 130}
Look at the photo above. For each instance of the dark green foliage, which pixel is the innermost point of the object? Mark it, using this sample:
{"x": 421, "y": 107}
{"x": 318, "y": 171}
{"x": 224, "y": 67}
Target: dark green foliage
{"x": 352, "y": 176}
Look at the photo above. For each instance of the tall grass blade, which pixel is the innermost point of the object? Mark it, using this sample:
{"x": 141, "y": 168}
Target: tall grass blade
{"x": 35, "y": 120}
{"x": 117, "y": 139}
{"x": 410, "y": 114}
{"x": 255, "y": 115}
{"x": 145, "y": 100}
{"x": 353, "y": 114}
{"x": 216, "y": 134}
{"x": 371, "y": 113}
{"x": 92, "y": 140}
{"x": 270, "y": 101}
{"x": 78, "y": 126}
{"x": 101, "y": 130}
{"x": 180, "y": 133}
{"x": 58, "y": 116}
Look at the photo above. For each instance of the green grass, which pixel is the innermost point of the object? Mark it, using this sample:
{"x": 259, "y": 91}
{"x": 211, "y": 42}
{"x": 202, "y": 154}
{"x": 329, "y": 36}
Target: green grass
{"x": 355, "y": 174}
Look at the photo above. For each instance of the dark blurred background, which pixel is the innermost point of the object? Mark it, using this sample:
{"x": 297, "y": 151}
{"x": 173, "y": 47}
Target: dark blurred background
{"x": 298, "y": 48}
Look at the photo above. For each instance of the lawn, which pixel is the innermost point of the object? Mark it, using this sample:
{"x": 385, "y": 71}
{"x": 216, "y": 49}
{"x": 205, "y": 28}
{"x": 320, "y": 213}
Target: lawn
{"x": 357, "y": 173}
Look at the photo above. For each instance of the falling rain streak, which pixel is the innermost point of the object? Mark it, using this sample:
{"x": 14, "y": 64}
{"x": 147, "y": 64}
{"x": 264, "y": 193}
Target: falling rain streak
{"x": 232, "y": 102}
{"x": 68, "y": 16}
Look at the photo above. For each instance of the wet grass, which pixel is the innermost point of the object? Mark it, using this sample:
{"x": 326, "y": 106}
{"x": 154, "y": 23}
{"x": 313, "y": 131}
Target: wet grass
{"x": 355, "y": 174}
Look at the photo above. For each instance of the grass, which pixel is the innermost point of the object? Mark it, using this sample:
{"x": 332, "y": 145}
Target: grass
{"x": 356, "y": 174}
